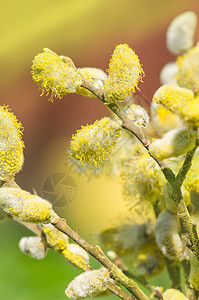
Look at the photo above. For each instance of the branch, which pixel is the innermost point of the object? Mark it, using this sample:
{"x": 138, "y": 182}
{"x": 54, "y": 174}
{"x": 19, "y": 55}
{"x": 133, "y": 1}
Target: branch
{"x": 98, "y": 254}
{"x": 70, "y": 256}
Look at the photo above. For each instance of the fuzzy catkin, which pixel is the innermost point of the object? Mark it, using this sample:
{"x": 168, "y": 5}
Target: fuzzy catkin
{"x": 11, "y": 144}
{"x": 26, "y": 207}
{"x": 124, "y": 73}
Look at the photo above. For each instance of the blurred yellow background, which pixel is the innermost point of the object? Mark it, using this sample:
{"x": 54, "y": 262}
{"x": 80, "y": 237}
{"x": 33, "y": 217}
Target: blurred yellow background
{"x": 87, "y": 31}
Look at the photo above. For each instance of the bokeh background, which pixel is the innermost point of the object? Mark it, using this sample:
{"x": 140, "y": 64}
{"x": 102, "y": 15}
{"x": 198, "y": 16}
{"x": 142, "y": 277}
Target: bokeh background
{"x": 87, "y": 31}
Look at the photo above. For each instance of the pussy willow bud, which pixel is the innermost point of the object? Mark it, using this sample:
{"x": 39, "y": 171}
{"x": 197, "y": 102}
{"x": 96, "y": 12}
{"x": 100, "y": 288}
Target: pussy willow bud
{"x": 137, "y": 115}
{"x": 174, "y": 143}
{"x": 168, "y": 72}
{"x": 124, "y": 72}
{"x": 180, "y": 101}
{"x": 172, "y": 294}
{"x": 33, "y": 247}
{"x": 58, "y": 241}
{"x": 55, "y": 238}
{"x": 54, "y": 75}
{"x": 167, "y": 234}
{"x": 94, "y": 144}
{"x": 76, "y": 249}
{"x": 142, "y": 180}
{"x": 26, "y": 207}
{"x": 187, "y": 75}
{"x": 88, "y": 284}
{"x": 11, "y": 144}
{"x": 95, "y": 76}
{"x": 180, "y": 32}
{"x": 163, "y": 120}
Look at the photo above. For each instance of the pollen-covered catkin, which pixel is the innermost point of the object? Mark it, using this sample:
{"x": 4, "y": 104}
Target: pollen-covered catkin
{"x": 172, "y": 294}
{"x": 191, "y": 182}
{"x": 163, "y": 120}
{"x": 33, "y": 246}
{"x": 124, "y": 73}
{"x": 94, "y": 144}
{"x": 180, "y": 32}
{"x": 95, "y": 76}
{"x": 188, "y": 70}
{"x": 58, "y": 241}
{"x": 11, "y": 144}
{"x": 88, "y": 284}
{"x": 141, "y": 180}
{"x": 55, "y": 74}
{"x": 26, "y": 207}
{"x": 79, "y": 251}
{"x": 167, "y": 234}
{"x": 180, "y": 101}
{"x": 174, "y": 143}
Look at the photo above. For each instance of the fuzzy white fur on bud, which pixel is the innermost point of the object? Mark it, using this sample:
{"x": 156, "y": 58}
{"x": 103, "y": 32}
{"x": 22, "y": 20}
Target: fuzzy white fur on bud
{"x": 167, "y": 234}
{"x": 138, "y": 115}
{"x": 180, "y": 32}
{"x": 33, "y": 247}
{"x": 168, "y": 72}
{"x": 88, "y": 284}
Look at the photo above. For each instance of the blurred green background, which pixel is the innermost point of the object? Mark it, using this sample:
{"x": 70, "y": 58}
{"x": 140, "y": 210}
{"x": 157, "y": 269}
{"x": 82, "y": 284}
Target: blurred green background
{"x": 87, "y": 31}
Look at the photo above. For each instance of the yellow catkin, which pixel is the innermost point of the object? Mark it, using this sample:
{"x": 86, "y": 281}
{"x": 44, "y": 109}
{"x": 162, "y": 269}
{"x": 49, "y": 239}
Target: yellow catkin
{"x": 26, "y": 207}
{"x": 141, "y": 180}
{"x": 55, "y": 74}
{"x": 172, "y": 294}
{"x": 94, "y": 144}
{"x": 59, "y": 242}
{"x": 174, "y": 143}
{"x": 180, "y": 101}
{"x": 124, "y": 71}
{"x": 163, "y": 120}
{"x": 11, "y": 144}
{"x": 191, "y": 182}
{"x": 188, "y": 70}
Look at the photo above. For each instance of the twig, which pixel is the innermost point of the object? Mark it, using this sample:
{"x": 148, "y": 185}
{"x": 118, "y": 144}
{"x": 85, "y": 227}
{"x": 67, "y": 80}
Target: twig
{"x": 174, "y": 273}
{"x": 191, "y": 293}
{"x": 35, "y": 228}
{"x": 98, "y": 254}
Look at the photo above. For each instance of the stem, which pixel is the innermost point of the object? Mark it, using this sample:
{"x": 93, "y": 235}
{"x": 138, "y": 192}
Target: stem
{"x": 35, "y": 228}
{"x": 174, "y": 273}
{"x": 191, "y": 293}
{"x": 189, "y": 228}
{"x": 98, "y": 254}
{"x": 156, "y": 291}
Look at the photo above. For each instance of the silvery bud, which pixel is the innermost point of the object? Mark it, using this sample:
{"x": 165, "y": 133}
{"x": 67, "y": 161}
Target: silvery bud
{"x": 33, "y": 247}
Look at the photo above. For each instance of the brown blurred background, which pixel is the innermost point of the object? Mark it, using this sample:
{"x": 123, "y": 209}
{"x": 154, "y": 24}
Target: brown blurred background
{"x": 87, "y": 31}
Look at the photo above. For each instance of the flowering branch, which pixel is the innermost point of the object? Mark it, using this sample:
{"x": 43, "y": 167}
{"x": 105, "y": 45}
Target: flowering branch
{"x": 98, "y": 254}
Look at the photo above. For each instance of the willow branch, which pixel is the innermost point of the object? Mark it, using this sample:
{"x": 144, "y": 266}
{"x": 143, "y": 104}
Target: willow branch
{"x": 98, "y": 254}
{"x": 36, "y": 228}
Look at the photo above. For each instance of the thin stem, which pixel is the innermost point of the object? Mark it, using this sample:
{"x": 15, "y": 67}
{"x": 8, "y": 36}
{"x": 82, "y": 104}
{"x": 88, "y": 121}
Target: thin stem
{"x": 191, "y": 293}
{"x": 98, "y": 254}
{"x": 174, "y": 273}
{"x": 35, "y": 228}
